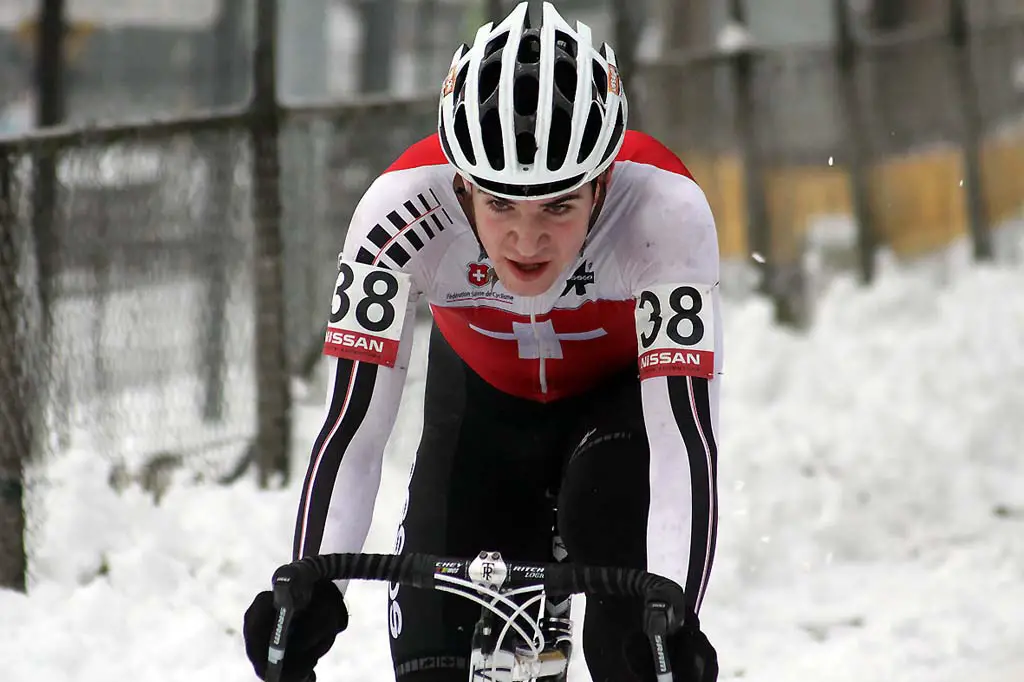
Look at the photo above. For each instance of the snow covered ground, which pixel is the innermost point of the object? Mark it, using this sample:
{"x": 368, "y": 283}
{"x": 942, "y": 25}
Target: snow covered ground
{"x": 872, "y": 515}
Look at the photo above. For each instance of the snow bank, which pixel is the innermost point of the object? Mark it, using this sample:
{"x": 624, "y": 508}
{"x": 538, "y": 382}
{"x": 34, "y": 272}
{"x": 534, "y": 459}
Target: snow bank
{"x": 872, "y": 515}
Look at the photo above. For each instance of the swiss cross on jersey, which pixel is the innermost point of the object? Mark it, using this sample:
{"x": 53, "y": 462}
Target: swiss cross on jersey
{"x": 547, "y": 356}
{"x": 367, "y": 313}
{"x": 478, "y": 274}
{"x": 675, "y": 330}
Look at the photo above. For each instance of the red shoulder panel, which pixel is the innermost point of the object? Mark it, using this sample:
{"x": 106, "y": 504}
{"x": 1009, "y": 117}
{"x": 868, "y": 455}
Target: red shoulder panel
{"x": 426, "y": 152}
{"x": 637, "y": 147}
{"x": 642, "y": 148}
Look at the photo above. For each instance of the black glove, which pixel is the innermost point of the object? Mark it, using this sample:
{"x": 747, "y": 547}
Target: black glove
{"x": 311, "y": 635}
{"x": 691, "y": 655}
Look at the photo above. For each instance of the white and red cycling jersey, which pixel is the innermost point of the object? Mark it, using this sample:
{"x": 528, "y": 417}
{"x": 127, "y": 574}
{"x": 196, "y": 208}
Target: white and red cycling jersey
{"x": 644, "y": 290}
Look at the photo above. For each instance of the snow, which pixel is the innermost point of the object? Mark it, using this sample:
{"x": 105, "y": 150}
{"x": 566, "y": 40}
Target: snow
{"x": 872, "y": 514}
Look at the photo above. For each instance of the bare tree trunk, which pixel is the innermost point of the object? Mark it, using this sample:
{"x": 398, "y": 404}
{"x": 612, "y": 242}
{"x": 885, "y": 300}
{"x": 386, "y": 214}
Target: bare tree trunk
{"x": 19, "y": 413}
{"x": 273, "y": 412}
{"x": 688, "y": 25}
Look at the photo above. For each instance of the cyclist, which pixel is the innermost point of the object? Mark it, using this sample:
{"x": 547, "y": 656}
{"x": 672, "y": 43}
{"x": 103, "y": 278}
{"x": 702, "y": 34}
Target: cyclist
{"x": 571, "y": 401}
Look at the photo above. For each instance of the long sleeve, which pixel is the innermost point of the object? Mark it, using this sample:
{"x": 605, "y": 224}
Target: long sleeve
{"x": 675, "y": 273}
{"x": 369, "y": 341}
{"x": 343, "y": 477}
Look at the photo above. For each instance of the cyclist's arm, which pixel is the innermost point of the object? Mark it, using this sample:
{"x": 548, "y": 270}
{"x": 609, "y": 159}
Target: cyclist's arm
{"x": 675, "y": 254}
{"x": 344, "y": 470}
{"x": 343, "y": 477}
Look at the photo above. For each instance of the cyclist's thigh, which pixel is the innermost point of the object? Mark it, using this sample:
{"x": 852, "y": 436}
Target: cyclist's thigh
{"x": 602, "y": 516}
{"x": 479, "y": 482}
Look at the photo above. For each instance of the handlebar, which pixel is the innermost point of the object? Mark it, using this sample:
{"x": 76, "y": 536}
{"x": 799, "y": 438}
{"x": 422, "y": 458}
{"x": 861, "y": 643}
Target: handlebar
{"x": 293, "y": 584}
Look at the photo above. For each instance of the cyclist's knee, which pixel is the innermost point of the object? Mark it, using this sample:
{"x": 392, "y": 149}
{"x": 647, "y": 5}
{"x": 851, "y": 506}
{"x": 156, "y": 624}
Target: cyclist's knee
{"x": 604, "y": 500}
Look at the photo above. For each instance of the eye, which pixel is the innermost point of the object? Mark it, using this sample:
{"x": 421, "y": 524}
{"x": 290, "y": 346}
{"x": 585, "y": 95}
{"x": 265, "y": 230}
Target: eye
{"x": 499, "y": 206}
{"x": 558, "y": 209}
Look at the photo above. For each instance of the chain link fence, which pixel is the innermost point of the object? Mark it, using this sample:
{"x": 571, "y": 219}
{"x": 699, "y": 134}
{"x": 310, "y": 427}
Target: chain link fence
{"x": 128, "y": 312}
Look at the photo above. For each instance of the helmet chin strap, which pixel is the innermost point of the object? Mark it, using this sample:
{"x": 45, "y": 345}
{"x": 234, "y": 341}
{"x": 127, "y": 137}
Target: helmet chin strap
{"x": 600, "y": 185}
{"x": 466, "y": 202}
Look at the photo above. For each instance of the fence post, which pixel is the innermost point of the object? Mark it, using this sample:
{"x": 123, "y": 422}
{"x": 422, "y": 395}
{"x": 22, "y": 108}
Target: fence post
{"x": 848, "y": 57}
{"x": 626, "y": 33}
{"x": 49, "y": 84}
{"x": 967, "y": 91}
{"x": 19, "y": 414}
{"x": 273, "y": 411}
{"x": 759, "y": 236}
{"x": 220, "y": 155}
{"x": 379, "y": 18}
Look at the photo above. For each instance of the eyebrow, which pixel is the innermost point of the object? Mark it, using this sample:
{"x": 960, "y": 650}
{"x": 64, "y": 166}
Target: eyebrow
{"x": 563, "y": 200}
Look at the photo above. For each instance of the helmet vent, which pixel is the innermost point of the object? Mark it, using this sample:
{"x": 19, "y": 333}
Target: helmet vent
{"x": 462, "y": 134}
{"x": 565, "y": 79}
{"x": 490, "y": 130}
{"x": 525, "y": 95}
{"x": 526, "y": 148}
{"x": 460, "y": 83}
{"x": 529, "y": 49}
{"x": 495, "y": 44}
{"x": 616, "y": 134}
{"x": 590, "y": 133}
{"x": 490, "y": 76}
{"x": 558, "y": 140}
{"x": 566, "y": 43}
{"x": 601, "y": 81}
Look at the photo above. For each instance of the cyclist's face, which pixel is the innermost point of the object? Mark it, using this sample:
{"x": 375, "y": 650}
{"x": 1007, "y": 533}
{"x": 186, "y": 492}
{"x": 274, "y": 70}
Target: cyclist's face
{"x": 531, "y": 241}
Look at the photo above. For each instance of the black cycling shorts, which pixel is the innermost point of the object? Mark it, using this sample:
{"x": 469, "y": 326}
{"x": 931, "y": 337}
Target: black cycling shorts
{"x": 490, "y": 471}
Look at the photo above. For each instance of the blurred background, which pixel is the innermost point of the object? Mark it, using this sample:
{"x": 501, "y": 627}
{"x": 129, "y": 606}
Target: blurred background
{"x": 176, "y": 178}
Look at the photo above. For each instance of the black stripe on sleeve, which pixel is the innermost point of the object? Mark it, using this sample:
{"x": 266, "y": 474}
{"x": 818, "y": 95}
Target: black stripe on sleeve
{"x": 700, "y": 458}
{"x": 396, "y": 253}
{"x": 414, "y": 239}
{"x": 397, "y": 220}
{"x": 364, "y": 256}
{"x": 411, "y": 208}
{"x": 702, "y": 394}
{"x": 313, "y": 506}
{"x": 378, "y": 236}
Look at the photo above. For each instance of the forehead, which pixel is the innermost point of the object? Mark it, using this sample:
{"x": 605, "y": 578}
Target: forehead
{"x": 531, "y": 203}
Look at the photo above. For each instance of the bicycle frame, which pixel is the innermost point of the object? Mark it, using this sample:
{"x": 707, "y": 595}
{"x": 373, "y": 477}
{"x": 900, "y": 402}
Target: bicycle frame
{"x": 492, "y": 583}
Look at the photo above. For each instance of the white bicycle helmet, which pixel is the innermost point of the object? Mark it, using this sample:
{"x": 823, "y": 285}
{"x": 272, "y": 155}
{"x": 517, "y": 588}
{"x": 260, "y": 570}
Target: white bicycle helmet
{"x": 532, "y": 112}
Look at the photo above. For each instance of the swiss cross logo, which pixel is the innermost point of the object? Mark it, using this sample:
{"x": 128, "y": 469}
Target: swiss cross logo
{"x": 478, "y": 274}
{"x": 448, "y": 87}
{"x": 614, "y": 82}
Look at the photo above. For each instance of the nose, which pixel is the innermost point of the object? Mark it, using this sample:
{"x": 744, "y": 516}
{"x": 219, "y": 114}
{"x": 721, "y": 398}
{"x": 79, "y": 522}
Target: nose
{"x": 529, "y": 238}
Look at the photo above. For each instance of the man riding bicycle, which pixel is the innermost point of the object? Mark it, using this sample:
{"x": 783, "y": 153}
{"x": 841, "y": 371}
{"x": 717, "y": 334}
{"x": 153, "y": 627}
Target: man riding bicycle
{"x": 571, "y": 402}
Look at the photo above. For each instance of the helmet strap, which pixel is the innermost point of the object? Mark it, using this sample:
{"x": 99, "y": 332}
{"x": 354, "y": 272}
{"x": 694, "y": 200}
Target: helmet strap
{"x": 600, "y": 187}
{"x": 466, "y": 202}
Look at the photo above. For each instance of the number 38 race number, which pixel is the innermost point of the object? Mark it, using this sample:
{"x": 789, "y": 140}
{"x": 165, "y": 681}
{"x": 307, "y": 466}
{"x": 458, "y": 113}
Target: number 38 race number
{"x": 675, "y": 331}
{"x": 367, "y": 313}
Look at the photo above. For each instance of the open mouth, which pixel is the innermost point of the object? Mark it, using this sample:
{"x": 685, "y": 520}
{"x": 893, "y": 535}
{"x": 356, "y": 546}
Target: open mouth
{"x": 528, "y": 270}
